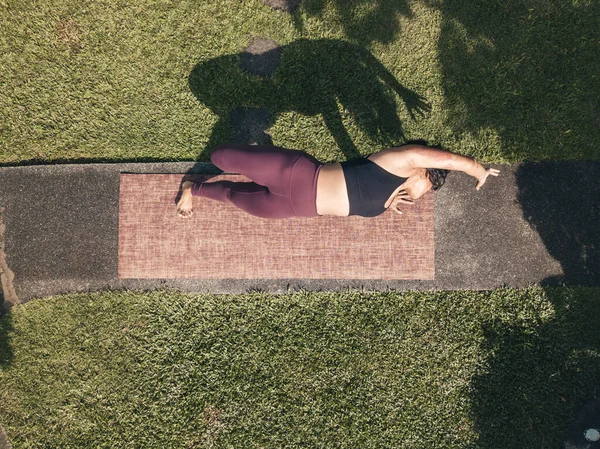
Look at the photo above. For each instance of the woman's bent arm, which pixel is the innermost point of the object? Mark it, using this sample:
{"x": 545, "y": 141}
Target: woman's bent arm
{"x": 418, "y": 156}
{"x": 424, "y": 157}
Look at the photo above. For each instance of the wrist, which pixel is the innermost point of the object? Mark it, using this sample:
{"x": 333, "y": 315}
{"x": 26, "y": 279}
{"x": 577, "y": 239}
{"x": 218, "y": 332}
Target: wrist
{"x": 479, "y": 170}
{"x": 483, "y": 172}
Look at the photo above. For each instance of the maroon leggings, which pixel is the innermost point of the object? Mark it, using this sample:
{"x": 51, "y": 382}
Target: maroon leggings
{"x": 285, "y": 181}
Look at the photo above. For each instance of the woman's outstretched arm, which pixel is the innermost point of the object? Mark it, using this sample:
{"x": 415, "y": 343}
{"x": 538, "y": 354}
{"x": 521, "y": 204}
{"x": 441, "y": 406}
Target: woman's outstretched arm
{"x": 419, "y": 156}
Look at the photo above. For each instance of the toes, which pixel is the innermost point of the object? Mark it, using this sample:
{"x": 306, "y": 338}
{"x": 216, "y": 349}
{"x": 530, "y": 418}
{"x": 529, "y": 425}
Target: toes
{"x": 185, "y": 213}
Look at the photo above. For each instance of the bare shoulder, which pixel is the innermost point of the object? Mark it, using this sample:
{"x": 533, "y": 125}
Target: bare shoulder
{"x": 398, "y": 160}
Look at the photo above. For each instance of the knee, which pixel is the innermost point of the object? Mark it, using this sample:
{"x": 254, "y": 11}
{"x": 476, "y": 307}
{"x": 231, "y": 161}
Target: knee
{"x": 226, "y": 154}
{"x": 219, "y": 154}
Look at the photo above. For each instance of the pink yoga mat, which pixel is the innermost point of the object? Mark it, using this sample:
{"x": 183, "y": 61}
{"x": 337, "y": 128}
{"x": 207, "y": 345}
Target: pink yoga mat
{"x": 222, "y": 242}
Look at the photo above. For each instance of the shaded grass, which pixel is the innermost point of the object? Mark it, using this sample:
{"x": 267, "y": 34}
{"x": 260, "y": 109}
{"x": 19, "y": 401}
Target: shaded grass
{"x": 109, "y": 80}
{"x": 448, "y": 369}
{"x": 527, "y": 70}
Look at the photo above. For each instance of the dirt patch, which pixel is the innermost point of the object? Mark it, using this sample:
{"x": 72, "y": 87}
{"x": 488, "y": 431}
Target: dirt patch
{"x": 260, "y": 57}
{"x": 69, "y": 34}
{"x": 283, "y": 5}
{"x": 211, "y": 416}
{"x": 212, "y": 419}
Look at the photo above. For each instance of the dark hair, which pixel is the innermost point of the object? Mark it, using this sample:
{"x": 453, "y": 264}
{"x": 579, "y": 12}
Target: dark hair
{"x": 437, "y": 176}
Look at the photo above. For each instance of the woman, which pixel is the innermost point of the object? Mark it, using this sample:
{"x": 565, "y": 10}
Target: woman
{"x": 290, "y": 183}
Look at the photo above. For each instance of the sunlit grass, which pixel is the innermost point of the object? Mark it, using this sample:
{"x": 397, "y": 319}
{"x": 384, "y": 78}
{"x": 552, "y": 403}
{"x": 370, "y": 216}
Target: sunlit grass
{"x": 109, "y": 81}
{"x": 447, "y": 369}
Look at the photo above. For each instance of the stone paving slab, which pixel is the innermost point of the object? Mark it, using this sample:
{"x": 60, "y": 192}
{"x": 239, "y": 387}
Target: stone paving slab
{"x": 61, "y": 227}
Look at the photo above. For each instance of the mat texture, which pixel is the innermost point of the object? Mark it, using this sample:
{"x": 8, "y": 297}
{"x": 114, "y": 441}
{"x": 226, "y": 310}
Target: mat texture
{"x": 222, "y": 242}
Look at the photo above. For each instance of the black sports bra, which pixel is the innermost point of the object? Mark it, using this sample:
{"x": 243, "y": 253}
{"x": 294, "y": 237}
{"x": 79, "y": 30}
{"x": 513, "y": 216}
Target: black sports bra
{"x": 369, "y": 186}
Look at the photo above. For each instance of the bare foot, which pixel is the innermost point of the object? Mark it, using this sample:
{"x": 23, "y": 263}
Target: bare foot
{"x": 184, "y": 206}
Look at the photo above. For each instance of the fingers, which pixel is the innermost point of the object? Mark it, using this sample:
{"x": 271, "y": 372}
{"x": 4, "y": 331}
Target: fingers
{"x": 488, "y": 172}
{"x": 403, "y": 195}
{"x": 420, "y": 109}
{"x": 401, "y": 198}
{"x": 424, "y": 107}
{"x": 395, "y": 204}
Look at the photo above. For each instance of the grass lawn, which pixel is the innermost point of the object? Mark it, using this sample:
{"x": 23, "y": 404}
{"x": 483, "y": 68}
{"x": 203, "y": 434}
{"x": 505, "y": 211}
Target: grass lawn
{"x": 109, "y": 80}
{"x": 500, "y": 369}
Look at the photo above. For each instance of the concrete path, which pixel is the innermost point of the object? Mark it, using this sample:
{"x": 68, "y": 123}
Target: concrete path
{"x": 536, "y": 223}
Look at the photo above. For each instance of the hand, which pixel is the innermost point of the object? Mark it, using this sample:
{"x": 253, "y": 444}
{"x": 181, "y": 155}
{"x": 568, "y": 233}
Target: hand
{"x": 401, "y": 198}
{"x": 415, "y": 103}
{"x": 417, "y": 106}
{"x": 488, "y": 172}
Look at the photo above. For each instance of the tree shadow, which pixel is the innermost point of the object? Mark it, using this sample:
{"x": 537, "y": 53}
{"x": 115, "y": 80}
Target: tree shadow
{"x": 539, "y": 377}
{"x": 528, "y": 71}
{"x": 561, "y": 200}
{"x": 313, "y": 77}
{"x": 363, "y": 21}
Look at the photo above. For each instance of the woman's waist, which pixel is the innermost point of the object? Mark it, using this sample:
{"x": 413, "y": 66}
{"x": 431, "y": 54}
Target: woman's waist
{"x": 332, "y": 194}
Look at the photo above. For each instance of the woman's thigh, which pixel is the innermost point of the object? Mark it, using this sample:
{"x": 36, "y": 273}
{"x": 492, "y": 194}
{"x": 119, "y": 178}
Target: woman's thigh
{"x": 269, "y": 166}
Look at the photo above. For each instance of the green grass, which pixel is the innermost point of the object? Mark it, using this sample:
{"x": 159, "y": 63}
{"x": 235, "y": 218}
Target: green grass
{"x": 106, "y": 80}
{"x": 507, "y": 368}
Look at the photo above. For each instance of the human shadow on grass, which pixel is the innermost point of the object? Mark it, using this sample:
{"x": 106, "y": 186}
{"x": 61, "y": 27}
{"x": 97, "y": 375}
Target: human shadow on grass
{"x": 312, "y": 77}
{"x": 526, "y": 71}
{"x": 538, "y": 376}
{"x": 363, "y": 21}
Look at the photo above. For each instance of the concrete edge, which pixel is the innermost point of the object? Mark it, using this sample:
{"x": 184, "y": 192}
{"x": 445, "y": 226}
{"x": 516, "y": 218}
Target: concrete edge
{"x": 128, "y": 167}
{"x": 48, "y": 289}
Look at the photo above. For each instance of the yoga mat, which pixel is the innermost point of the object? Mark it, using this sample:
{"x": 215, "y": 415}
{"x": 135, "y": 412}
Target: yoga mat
{"x": 223, "y": 242}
